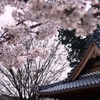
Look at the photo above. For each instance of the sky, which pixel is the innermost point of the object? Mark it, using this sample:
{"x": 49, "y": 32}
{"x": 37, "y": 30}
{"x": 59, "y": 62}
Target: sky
{"x": 6, "y": 18}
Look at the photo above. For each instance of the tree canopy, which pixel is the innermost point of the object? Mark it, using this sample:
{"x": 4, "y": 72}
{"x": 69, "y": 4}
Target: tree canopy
{"x": 77, "y": 45}
{"x": 29, "y": 39}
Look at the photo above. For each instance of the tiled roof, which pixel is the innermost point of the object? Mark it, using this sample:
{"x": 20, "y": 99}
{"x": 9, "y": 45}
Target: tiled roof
{"x": 93, "y": 38}
{"x": 90, "y": 74}
{"x": 43, "y": 87}
{"x": 85, "y": 80}
{"x": 97, "y": 43}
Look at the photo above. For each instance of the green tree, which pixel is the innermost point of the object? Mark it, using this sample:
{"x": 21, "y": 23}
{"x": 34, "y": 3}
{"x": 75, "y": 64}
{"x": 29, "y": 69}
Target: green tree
{"x": 76, "y": 45}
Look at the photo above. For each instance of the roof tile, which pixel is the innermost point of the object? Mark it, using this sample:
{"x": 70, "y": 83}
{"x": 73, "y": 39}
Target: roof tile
{"x": 89, "y": 79}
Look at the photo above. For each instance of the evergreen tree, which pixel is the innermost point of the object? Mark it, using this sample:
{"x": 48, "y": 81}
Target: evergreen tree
{"x": 76, "y": 45}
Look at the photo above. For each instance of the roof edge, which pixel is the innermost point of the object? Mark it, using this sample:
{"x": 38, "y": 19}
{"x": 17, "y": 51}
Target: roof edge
{"x": 83, "y": 61}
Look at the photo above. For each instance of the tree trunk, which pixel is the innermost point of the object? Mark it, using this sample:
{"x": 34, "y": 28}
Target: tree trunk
{"x": 34, "y": 97}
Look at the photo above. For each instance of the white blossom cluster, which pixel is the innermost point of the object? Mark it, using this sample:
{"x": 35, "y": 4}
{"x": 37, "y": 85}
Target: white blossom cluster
{"x": 24, "y": 25}
{"x": 28, "y": 39}
{"x": 69, "y": 14}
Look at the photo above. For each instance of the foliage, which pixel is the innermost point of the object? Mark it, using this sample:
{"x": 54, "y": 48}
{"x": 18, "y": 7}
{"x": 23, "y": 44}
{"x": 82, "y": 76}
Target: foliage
{"x": 27, "y": 54}
{"x": 75, "y": 45}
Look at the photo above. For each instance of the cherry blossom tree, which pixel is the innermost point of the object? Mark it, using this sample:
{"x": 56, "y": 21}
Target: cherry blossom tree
{"x": 28, "y": 67}
{"x": 41, "y": 19}
{"x": 28, "y": 55}
{"x": 26, "y": 62}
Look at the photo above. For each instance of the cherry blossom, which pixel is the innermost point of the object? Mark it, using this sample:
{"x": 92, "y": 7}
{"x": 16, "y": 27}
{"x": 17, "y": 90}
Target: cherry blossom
{"x": 30, "y": 53}
{"x": 25, "y": 26}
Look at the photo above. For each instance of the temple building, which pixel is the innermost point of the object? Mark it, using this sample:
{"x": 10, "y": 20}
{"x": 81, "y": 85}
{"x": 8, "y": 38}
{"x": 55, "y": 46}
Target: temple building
{"x": 83, "y": 82}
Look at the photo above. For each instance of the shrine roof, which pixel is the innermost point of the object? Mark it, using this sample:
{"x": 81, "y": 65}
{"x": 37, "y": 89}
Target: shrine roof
{"x": 85, "y": 80}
